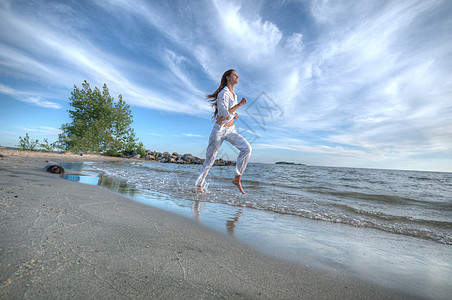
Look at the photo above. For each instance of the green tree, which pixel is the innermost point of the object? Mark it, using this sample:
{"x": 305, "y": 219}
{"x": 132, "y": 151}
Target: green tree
{"x": 26, "y": 144}
{"x": 99, "y": 124}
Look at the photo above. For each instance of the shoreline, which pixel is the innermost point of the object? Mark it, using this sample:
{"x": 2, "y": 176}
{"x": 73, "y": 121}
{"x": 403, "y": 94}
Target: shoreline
{"x": 65, "y": 239}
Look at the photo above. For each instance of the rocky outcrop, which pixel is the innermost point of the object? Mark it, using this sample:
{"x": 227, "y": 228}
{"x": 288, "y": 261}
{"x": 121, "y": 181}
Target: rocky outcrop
{"x": 288, "y": 163}
{"x": 176, "y": 158}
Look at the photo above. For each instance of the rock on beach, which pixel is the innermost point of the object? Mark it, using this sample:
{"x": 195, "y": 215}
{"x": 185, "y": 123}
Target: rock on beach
{"x": 55, "y": 169}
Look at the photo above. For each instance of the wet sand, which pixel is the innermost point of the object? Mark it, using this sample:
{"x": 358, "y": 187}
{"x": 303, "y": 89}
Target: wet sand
{"x": 63, "y": 239}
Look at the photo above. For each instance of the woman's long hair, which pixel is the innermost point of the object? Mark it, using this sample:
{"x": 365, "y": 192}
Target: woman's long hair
{"x": 213, "y": 97}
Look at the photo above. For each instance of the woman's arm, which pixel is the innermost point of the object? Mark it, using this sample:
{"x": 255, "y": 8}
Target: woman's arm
{"x": 235, "y": 107}
{"x": 226, "y": 114}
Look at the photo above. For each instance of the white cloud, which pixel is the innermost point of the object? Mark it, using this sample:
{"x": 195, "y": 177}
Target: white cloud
{"x": 28, "y": 97}
{"x": 43, "y": 130}
{"x": 192, "y": 135}
{"x": 154, "y": 134}
{"x": 253, "y": 38}
{"x": 298, "y": 145}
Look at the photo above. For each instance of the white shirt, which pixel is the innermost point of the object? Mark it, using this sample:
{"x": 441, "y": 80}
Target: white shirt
{"x": 225, "y": 100}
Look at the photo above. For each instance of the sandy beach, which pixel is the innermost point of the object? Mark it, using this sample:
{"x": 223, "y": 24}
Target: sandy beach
{"x": 63, "y": 239}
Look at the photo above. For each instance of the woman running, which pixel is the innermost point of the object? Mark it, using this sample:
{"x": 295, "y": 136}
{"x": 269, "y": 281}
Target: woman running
{"x": 225, "y": 102}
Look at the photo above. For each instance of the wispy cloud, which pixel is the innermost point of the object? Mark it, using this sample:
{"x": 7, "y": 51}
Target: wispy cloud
{"x": 29, "y": 97}
{"x": 192, "y": 135}
{"x": 154, "y": 134}
{"x": 45, "y": 131}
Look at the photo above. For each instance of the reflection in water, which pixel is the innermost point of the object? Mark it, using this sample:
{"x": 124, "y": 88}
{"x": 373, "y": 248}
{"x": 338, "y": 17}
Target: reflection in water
{"x": 94, "y": 180}
{"x": 114, "y": 184}
{"x": 119, "y": 186}
{"x": 230, "y": 224}
{"x": 196, "y": 209}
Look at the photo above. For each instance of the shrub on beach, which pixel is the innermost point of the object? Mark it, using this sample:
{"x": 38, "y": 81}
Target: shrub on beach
{"x": 28, "y": 144}
{"x": 25, "y": 143}
{"x": 114, "y": 153}
{"x": 48, "y": 147}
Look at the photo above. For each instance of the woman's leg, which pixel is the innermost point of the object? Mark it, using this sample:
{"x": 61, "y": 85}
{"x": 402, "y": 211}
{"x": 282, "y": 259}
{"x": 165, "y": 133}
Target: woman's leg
{"x": 215, "y": 141}
{"x": 242, "y": 160}
{"x": 242, "y": 144}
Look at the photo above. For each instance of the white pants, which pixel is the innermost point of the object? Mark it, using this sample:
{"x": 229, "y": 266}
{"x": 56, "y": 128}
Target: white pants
{"x": 217, "y": 136}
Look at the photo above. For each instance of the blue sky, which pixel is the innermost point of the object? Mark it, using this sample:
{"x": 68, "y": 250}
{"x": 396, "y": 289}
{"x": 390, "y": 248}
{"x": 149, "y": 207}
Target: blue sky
{"x": 335, "y": 83}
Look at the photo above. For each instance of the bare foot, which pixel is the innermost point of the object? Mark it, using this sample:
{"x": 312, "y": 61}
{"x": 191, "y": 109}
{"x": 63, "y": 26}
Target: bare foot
{"x": 236, "y": 181}
{"x": 200, "y": 190}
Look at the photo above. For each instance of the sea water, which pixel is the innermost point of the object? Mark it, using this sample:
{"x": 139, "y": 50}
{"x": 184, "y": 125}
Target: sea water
{"x": 391, "y": 226}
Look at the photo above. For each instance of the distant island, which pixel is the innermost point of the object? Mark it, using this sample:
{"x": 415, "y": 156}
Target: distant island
{"x": 288, "y": 163}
